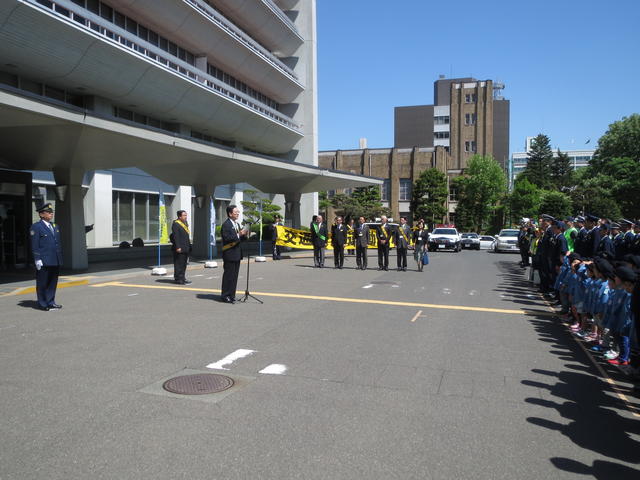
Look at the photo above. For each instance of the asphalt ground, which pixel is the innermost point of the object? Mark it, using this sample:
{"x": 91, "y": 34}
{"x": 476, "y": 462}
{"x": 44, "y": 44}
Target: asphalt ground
{"x": 458, "y": 372}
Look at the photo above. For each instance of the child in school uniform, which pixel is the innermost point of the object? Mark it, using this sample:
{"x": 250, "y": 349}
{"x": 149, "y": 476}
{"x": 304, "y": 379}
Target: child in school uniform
{"x": 621, "y": 316}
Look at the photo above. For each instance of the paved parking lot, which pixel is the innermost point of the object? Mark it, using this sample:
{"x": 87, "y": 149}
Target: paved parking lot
{"x": 458, "y": 372}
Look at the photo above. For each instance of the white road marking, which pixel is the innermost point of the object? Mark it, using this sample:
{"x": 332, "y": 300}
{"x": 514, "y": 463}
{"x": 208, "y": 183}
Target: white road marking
{"x": 368, "y": 286}
{"x": 274, "y": 369}
{"x": 415, "y": 317}
{"x": 473, "y": 292}
{"x": 132, "y": 294}
{"x": 229, "y": 359}
{"x": 395, "y": 286}
{"x": 209, "y": 278}
{"x": 446, "y": 291}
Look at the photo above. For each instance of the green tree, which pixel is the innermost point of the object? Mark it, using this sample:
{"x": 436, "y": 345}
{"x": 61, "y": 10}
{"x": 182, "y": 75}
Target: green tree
{"x": 429, "y": 195}
{"x": 561, "y": 171}
{"x": 479, "y": 190}
{"x": 364, "y": 201}
{"x": 256, "y": 203}
{"x": 525, "y": 199}
{"x": 556, "y": 204}
{"x": 323, "y": 203}
{"x": 620, "y": 141}
{"x": 595, "y": 194}
{"x": 538, "y": 169}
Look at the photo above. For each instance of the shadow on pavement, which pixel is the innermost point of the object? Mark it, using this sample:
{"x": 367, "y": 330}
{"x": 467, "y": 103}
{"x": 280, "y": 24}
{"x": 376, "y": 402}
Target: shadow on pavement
{"x": 28, "y": 304}
{"x": 596, "y": 419}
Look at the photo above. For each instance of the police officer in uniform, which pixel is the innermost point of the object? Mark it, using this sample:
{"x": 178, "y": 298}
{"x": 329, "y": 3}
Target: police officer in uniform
{"x": 362, "y": 243}
{"x": 383, "y": 232}
{"x": 592, "y": 240}
{"x": 402, "y": 234}
{"x": 181, "y": 247}
{"x": 560, "y": 249}
{"x": 628, "y": 235}
{"x": 545, "y": 252}
{"x": 581, "y": 237}
{"x": 232, "y": 234}
{"x": 275, "y": 249}
{"x": 47, "y": 255}
{"x": 338, "y": 241}
{"x": 605, "y": 247}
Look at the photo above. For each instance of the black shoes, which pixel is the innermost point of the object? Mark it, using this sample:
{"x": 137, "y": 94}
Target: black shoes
{"x": 55, "y": 305}
{"x": 183, "y": 282}
{"x": 44, "y": 309}
{"x": 228, "y": 300}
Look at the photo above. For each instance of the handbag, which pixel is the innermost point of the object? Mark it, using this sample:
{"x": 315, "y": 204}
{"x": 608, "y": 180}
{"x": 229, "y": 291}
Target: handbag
{"x": 425, "y": 258}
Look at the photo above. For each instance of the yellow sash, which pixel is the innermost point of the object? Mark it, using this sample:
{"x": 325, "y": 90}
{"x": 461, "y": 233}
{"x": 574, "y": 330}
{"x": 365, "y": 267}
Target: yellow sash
{"x": 186, "y": 229}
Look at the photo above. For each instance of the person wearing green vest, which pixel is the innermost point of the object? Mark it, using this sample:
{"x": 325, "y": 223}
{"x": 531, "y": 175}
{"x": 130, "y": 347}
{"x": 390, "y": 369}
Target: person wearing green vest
{"x": 571, "y": 233}
{"x": 319, "y": 234}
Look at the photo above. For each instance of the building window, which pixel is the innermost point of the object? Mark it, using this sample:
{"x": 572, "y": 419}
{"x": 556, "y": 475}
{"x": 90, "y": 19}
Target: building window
{"x": 470, "y": 118}
{"x": 442, "y": 120}
{"x": 405, "y": 189}
{"x": 440, "y": 135}
{"x": 453, "y": 194}
{"x": 470, "y": 98}
{"x": 384, "y": 194}
{"x": 135, "y": 215}
{"x": 470, "y": 146}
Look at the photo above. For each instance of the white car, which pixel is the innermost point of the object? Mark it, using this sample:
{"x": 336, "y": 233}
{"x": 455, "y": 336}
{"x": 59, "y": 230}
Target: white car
{"x": 486, "y": 242}
{"x": 444, "y": 238}
{"x": 507, "y": 241}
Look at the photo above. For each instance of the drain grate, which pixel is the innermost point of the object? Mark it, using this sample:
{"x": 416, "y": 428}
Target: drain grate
{"x": 199, "y": 384}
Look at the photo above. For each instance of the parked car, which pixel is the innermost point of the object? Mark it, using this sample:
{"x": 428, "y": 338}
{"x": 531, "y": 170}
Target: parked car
{"x": 506, "y": 241}
{"x": 486, "y": 242}
{"x": 470, "y": 240}
{"x": 444, "y": 238}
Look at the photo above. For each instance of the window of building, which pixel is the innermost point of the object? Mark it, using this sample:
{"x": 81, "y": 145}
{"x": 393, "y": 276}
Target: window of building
{"x": 384, "y": 193}
{"x": 440, "y": 135}
{"x": 470, "y": 98}
{"x": 453, "y": 194}
{"x": 405, "y": 189}
{"x": 135, "y": 215}
{"x": 442, "y": 120}
{"x": 470, "y": 118}
{"x": 470, "y": 146}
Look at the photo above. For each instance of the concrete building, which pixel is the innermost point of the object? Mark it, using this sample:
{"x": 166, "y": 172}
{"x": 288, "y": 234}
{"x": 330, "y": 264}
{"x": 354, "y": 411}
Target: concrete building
{"x": 518, "y": 160}
{"x": 399, "y": 167}
{"x": 111, "y": 102}
{"x": 468, "y": 117}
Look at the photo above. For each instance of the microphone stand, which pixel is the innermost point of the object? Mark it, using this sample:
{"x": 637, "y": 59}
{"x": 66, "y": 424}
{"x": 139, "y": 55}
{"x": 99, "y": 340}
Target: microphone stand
{"x": 246, "y": 292}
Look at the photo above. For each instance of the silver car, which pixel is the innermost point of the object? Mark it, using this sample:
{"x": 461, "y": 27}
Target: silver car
{"x": 507, "y": 241}
{"x": 470, "y": 240}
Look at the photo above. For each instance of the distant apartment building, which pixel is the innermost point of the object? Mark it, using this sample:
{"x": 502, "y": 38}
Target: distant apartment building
{"x": 468, "y": 117}
{"x": 518, "y": 160}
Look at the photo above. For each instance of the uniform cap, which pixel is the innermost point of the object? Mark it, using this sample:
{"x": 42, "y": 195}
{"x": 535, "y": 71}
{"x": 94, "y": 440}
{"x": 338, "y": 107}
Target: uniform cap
{"x": 614, "y": 225}
{"x": 45, "y": 208}
{"x": 580, "y": 219}
{"x": 624, "y": 221}
{"x": 591, "y": 218}
{"x": 544, "y": 216}
{"x": 560, "y": 225}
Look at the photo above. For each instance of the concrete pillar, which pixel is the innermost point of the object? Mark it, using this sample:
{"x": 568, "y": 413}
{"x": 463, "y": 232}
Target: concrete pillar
{"x": 182, "y": 201}
{"x": 98, "y": 208}
{"x": 236, "y": 199}
{"x": 201, "y": 224}
{"x": 292, "y": 209}
{"x": 70, "y": 217}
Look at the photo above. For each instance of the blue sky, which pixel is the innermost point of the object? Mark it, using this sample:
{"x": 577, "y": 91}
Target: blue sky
{"x": 570, "y": 67}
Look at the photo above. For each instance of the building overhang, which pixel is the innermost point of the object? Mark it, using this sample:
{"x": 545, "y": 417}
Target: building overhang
{"x": 35, "y": 135}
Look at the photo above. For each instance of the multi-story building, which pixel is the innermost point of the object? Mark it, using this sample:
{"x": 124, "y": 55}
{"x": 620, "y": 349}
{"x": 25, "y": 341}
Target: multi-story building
{"x": 468, "y": 117}
{"x": 518, "y": 160}
{"x": 111, "y": 102}
{"x": 399, "y": 167}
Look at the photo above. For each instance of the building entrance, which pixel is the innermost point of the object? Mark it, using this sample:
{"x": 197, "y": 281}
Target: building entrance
{"x": 15, "y": 219}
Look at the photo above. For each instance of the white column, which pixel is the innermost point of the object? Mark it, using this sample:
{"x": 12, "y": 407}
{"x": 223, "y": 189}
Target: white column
{"x": 70, "y": 215}
{"x": 237, "y": 199}
{"x": 98, "y": 208}
{"x": 183, "y": 202}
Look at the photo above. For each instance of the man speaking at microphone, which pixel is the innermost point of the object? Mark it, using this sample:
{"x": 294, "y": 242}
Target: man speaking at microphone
{"x": 232, "y": 235}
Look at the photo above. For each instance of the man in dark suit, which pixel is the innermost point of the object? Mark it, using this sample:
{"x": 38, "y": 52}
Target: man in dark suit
{"x": 231, "y": 253}
{"x": 319, "y": 236}
{"x": 402, "y": 234}
{"x": 181, "y": 247}
{"x": 362, "y": 243}
{"x": 275, "y": 249}
{"x": 545, "y": 252}
{"x": 383, "y": 232}
{"x": 47, "y": 255}
{"x": 592, "y": 240}
{"x": 338, "y": 241}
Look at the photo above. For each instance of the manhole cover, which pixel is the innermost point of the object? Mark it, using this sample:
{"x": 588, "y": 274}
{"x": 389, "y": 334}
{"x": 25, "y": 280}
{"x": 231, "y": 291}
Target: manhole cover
{"x": 199, "y": 384}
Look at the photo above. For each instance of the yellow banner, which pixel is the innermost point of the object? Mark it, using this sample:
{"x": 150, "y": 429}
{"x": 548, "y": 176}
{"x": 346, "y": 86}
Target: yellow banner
{"x": 293, "y": 238}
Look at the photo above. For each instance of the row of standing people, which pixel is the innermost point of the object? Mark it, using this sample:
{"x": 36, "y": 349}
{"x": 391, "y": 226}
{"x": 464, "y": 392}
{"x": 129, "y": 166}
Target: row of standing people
{"x": 402, "y": 235}
{"x": 590, "y": 268}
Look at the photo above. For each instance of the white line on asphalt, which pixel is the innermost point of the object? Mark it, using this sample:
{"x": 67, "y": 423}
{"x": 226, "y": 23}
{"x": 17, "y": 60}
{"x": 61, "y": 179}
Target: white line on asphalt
{"x": 274, "y": 369}
{"x": 368, "y": 286}
{"x": 415, "y": 317}
{"x": 132, "y": 294}
{"x": 229, "y": 359}
{"x": 199, "y": 275}
{"x": 210, "y": 278}
{"x": 446, "y": 291}
{"x": 473, "y": 292}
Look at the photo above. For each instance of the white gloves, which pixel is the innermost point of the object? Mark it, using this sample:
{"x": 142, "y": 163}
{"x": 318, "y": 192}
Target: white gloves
{"x": 39, "y": 264}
